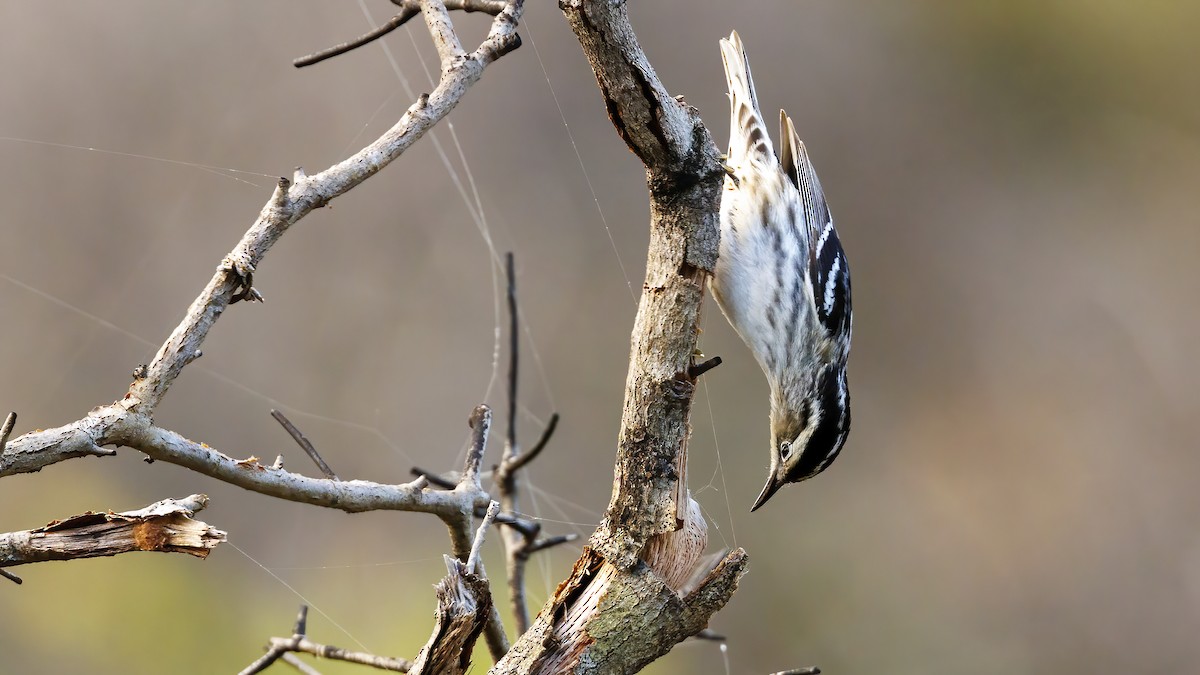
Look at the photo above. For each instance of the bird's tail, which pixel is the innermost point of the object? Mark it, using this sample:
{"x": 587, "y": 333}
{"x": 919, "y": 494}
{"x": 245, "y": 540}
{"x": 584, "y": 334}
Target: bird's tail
{"x": 748, "y": 139}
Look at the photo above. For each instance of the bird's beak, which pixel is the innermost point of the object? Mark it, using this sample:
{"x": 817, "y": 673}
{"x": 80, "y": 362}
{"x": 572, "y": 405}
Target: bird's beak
{"x": 772, "y": 486}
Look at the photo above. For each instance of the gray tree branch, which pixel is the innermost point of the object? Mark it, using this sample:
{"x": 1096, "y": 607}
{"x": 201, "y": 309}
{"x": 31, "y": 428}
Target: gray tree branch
{"x": 130, "y": 418}
{"x": 628, "y": 601}
{"x": 165, "y": 526}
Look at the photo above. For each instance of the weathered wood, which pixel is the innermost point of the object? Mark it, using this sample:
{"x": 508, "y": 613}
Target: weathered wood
{"x": 626, "y": 602}
{"x": 165, "y": 526}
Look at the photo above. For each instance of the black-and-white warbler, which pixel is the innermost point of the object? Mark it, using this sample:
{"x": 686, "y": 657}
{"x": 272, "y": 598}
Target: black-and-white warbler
{"x": 783, "y": 282}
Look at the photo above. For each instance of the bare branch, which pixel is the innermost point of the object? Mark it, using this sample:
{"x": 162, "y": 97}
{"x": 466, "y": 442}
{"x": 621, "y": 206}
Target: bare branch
{"x": 650, "y": 543}
{"x": 299, "y": 665}
{"x": 6, "y": 430}
{"x": 810, "y": 670}
{"x": 305, "y": 444}
{"x": 461, "y": 540}
{"x": 698, "y": 369}
{"x": 165, "y": 526}
{"x": 514, "y": 342}
{"x": 528, "y": 456}
{"x": 481, "y": 423}
{"x": 280, "y": 647}
{"x": 130, "y": 418}
{"x": 549, "y": 542}
{"x": 434, "y": 478}
{"x": 394, "y": 664}
{"x": 480, "y": 534}
{"x": 464, "y": 607}
{"x": 518, "y": 542}
{"x": 441, "y": 28}
{"x": 408, "y": 9}
{"x": 352, "y": 496}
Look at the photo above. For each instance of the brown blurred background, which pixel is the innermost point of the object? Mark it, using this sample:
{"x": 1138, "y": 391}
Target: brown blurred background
{"x": 1015, "y": 184}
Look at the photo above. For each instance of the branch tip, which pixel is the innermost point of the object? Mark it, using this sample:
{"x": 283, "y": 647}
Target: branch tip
{"x": 488, "y": 519}
{"x": 521, "y": 460}
{"x": 697, "y": 369}
{"x": 480, "y": 422}
{"x": 301, "y": 628}
{"x": 304, "y": 444}
{"x": 549, "y": 542}
{"x": 433, "y": 478}
{"x": 5, "y": 431}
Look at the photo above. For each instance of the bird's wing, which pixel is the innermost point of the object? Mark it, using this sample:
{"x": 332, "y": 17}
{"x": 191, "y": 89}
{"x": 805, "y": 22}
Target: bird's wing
{"x": 828, "y": 270}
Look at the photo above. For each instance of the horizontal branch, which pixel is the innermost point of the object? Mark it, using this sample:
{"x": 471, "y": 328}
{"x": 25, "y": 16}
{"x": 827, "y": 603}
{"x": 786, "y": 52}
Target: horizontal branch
{"x": 165, "y": 526}
{"x": 278, "y": 648}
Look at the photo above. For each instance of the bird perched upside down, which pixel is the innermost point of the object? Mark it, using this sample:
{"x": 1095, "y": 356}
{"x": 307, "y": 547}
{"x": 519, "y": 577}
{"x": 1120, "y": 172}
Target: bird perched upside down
{"x": 783, "y": 282}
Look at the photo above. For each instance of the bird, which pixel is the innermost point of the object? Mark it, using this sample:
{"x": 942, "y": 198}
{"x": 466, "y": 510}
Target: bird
{"x": 783, "y": 282}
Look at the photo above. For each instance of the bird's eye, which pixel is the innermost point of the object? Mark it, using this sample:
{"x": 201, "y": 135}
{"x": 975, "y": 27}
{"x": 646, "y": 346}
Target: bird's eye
{"x": 785, "y": 449}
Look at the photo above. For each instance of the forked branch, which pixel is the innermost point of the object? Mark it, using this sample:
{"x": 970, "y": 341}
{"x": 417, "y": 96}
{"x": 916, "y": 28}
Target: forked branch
{"x": 128, "y": 421}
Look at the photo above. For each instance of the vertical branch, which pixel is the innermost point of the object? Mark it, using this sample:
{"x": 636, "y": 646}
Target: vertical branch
{"x": 516, "y": 543}
{"x": 510, "y": 447}
{"x": 620, "y": 609}
{"x": 684, "y": 176}
{"x": 461, "y": 534}
{"x": 520, "y": 538}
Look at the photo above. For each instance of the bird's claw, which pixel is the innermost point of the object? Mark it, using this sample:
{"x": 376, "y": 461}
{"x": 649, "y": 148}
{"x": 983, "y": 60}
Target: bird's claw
{"x": 729, "y": 170}
{"x": 243, "y": 272}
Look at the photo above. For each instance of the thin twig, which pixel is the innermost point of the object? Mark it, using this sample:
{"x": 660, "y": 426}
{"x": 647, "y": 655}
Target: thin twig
{"x": 510, "y": 447}
{"x": 307, "y": 646}
{"x": 301, "y": 627}
{"x": 407, "y": 12}
{"x": 520, "y": 537}
{"x": 6, "y": 430}
{"x": 525, "y": 526}
{"x": 408, "y": 9}
{"x": 528, "y": 456}
{"x": 811, "y": 670}
{"x": 298, "y": 642}
{"x": 481, "y": 423}
{"x": 515, "y": 543}
{"x": 434, "y": 478}
{"x": 302, "y": 667}
{"x": 11, "y": 577}
{"x": 263, "y": 662}
{"x": 548, "y": 542}
{"x": 697, "y": 369}
{"x": 480, "y": 534}
{"x": 304, "y": 444}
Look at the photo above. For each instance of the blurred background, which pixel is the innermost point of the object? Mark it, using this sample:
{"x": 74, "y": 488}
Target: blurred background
{"x": 1015, "y": 184}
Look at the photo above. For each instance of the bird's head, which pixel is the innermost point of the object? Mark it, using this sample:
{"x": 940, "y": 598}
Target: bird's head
{"x": 808, "y": 429}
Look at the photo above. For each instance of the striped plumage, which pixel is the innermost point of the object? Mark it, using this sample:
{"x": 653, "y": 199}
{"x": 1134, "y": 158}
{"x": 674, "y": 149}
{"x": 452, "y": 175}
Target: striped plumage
{"x": 783, "y": 282}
